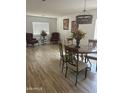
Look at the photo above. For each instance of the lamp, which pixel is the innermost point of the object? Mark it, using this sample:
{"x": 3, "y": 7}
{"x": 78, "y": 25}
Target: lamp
{"x": 85, "y": 18}
{"x": 84, "y": 7}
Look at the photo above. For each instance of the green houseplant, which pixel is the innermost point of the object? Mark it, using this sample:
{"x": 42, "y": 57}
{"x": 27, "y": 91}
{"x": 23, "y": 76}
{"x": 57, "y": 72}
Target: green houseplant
{"x": 78, "y": 35}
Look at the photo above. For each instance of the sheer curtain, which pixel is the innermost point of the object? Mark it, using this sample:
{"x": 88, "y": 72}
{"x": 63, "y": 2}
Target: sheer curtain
{"x": 38, "y": 27}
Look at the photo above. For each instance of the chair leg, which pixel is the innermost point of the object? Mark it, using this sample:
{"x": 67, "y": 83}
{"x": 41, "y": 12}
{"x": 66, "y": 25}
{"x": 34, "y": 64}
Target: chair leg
{"x": 63, "y": 66}
{"x": 60, "y": 61}
{"x": 66, "y": 71}
{"x": 85, "y": 73}
{"x": 76, "y": 79}
{"x": 85, "y": 60}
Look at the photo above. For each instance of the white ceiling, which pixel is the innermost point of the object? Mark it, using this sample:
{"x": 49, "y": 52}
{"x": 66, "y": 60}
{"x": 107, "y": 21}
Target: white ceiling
{"x": 58, "y": 7}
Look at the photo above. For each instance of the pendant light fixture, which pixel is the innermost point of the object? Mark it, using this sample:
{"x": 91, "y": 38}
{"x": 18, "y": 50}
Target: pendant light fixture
{"x": 85, "y": 18}
{"x": 84, "y": 11}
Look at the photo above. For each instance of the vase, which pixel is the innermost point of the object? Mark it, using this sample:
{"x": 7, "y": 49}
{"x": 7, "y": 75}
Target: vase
{"x": 77, "y": 43}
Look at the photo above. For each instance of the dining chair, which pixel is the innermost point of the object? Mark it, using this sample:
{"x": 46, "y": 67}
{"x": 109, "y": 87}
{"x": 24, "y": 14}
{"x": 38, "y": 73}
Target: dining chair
{"x": 92, "y": 43}
{"x": 30, "y": 39}
{"x": 88, "y": 58}
{"x": 70, "y": 41}
{"x": 73, "y": 62}
{"x": 63, "y": 57}
{"x": 55, "y": 37}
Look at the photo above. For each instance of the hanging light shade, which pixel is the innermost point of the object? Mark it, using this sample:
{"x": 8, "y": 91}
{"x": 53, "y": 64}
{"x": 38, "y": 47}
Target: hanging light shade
{"x": 85, "y": 18}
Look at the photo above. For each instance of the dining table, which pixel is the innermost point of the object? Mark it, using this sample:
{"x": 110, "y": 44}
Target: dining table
{"x": 84, "y": 50}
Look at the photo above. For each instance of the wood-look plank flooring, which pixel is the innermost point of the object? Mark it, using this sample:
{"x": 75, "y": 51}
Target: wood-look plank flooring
{"x": 43, "y": 73}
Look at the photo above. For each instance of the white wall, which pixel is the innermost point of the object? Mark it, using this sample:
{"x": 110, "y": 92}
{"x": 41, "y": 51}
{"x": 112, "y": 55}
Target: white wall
{"x": 52, "y": 24}
{"x": 88, "y": 28}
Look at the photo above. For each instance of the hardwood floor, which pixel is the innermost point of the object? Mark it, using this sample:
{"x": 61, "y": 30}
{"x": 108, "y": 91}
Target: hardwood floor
{"x": 44, "y": 73}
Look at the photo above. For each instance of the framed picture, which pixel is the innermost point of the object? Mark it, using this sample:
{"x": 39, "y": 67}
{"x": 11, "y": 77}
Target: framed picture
{"x": 66, "y": 24}
{"x": 74, "y": 26}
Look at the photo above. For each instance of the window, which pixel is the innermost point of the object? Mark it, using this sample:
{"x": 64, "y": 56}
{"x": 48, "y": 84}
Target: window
{"x": 38, "y": 27}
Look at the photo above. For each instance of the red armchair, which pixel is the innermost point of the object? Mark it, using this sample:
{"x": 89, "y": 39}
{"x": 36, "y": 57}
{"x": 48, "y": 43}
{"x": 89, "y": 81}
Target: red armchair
{"x": 55, "y": 38}
{"x": 30, "y": 40}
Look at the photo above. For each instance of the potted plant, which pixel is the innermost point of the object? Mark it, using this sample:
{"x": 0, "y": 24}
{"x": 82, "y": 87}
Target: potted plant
{"x": 43, "y": 33}
{"x": 78, "y": 35}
